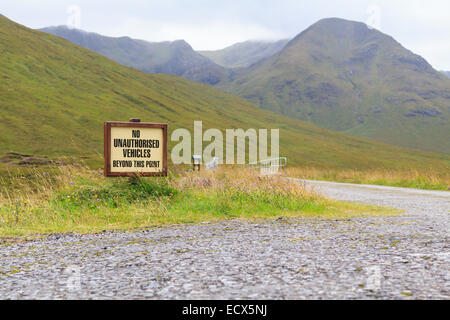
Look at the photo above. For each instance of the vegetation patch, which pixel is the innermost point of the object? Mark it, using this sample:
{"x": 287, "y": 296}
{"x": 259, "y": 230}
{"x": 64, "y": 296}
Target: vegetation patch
{"x": 76, "y": 199}
{"x": 429, "y": 179}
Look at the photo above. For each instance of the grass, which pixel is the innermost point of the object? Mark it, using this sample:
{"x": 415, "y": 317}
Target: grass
{"x": 79, "y": 200}
{"x": 408, "y": 178}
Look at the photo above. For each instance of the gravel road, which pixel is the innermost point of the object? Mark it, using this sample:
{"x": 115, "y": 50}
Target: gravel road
{"x": 403, "y": 257}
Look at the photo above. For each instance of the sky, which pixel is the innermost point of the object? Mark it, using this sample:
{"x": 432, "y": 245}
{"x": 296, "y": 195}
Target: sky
{"x": 421, "y": 26}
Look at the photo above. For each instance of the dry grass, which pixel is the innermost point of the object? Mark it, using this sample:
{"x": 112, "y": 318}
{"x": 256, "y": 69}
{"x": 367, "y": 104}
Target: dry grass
{"x": 35, "y": 185}
{"x": 242, "y": 180}
{"x": 410, "y": 178}
{"x": 76, "y": 199}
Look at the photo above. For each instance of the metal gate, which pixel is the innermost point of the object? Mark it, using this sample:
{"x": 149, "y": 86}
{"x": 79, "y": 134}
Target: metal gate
{"x": 270, "y": 166}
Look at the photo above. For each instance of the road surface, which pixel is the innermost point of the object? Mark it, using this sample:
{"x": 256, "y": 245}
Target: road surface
{"x": 403, "y": 257}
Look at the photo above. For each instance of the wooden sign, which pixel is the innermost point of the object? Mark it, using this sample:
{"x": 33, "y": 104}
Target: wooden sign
{"x": 135, "y": 148}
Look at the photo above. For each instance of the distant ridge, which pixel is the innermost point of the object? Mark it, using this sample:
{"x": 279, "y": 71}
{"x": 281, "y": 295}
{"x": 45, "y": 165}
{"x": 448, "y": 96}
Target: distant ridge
{"x": 338, "y": 74}
{"x": 244, "y": 54}
{"x": 344, "y": 76}
{"x": 176, "y": 57}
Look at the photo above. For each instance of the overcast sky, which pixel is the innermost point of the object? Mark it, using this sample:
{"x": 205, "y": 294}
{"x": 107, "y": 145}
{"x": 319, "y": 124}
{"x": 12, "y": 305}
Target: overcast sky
{"x": 421, "y": 26}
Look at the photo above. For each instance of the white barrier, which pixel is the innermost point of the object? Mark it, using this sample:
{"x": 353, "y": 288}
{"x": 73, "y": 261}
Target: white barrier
{"x": 213, "y": 164}
{"x": 270, "y": 166}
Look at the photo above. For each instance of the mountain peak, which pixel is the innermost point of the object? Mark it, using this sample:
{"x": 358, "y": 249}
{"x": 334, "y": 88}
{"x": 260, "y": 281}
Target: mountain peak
{"x": 355, "y": 43}
{"x": 336, "y": 29}
{"x": 63, "y": 27}
{"x": 172, "y": 57}
{"x": 346, "y": 76}
{"x": 333, "y": 21}
{"x": 181, "y": 44}
{"x": 339, "y": 25}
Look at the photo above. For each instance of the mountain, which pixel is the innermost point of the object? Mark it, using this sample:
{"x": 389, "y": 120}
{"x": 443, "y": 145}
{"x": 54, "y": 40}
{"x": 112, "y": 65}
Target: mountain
{"x": 55, "y": 96}
{"x": 447, "y": 73}
{"x": 177, "y": 57}
{"x": 244, "y": 54}
{"x": 338, "y": 74}
{"x": 344, "y": 76}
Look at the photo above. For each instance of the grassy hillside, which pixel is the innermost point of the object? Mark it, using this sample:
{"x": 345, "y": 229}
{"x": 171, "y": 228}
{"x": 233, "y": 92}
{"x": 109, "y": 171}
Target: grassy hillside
{"x": 343, "y": 76}
{"x": 177, "y": 57}
{"x": 447, "y": 73}
{"x": 244, "y": 54}
{"x": 55, "y": 96}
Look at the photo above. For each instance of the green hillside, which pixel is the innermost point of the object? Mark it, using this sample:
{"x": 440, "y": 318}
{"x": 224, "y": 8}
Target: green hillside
{"x": 343, "y": 76}
{"x": 55, "y": 96}
{"x": 176, "y": 57}
{"x": 244, "y": 54}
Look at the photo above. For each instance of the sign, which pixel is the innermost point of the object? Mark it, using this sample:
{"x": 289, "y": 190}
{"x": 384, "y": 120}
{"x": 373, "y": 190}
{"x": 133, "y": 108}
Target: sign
{"x": 135, "y": 148}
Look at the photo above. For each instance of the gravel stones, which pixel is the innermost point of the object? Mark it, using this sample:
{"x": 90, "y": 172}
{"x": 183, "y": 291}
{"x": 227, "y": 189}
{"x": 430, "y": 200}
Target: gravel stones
{"x": 402, "y": 257}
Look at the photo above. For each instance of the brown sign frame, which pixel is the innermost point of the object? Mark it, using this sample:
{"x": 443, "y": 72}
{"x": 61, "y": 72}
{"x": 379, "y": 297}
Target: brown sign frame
{"x": 107, "y": 148}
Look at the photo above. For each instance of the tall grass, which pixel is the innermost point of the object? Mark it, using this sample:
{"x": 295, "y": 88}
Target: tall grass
{"x": 408, "y": 177}
{"x": 32, "y": 185}
{"x": 77, "y": 199}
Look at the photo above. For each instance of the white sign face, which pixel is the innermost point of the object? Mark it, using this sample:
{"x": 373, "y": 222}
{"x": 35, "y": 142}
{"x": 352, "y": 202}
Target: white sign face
{"x": 136, "y": 149}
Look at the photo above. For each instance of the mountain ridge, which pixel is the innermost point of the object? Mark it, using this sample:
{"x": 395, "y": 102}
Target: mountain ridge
{"x": 342, "y": 75}
{"x": 170, "y": 57}
{"x": 244, "y": 54}
{"x": 347, "y": 77}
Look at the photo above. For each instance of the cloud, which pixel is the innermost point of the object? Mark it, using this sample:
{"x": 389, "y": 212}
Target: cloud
{"x": 421, "y": 26}
{"x": 216, "y": 35}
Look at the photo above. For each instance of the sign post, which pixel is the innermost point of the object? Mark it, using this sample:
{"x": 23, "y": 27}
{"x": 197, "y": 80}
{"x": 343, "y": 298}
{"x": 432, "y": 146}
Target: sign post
{"x": 135, "y": 148}
{"x": 196, "y": 161}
